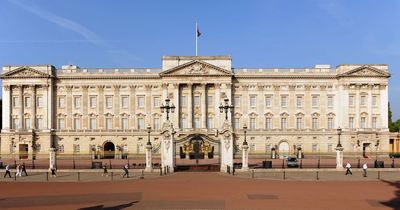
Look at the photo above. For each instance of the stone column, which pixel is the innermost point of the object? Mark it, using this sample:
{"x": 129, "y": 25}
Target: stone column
{"x": 101, "y": 106}
{"x": 176, "y": 116}
{"x": 132, "y": 105}
{"x": 357, "y": 105}
{"x": 339, "y": 158}
{"x": 116, "y": 107}
{"x": 149, "y": 166}
{"x": 190, "y": 105}
{"x": 217, "y": 120}
{"x": 226, "y": 139}
{"x": 69, "y": 123}
{"x": 33, "y": 119}
{"x": 245, "y": 157}
{"x": 50, "y": 101}
{"x": 85, "y": 105}
{"x": 21, "y": 108}
{"x": 369, "y": 107}
{"x": 7, "y": 107}
{"x": 52, "y": 160}
{"x": 148, "y": 104}
{"x": 384, "y": 105}
{"x": 203, "y": 106}
{"x": 167, "y": 146}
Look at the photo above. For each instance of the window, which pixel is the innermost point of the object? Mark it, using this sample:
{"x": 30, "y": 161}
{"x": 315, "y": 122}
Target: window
{"x": 15, "y": 101}
{"x": 314, "y": 123}
{"x": 330, "y": 101}
{"x": 351, "y": 100}
{"x": 314, "y": 147}
{"x": 27, "y": 123}
{"x": 362, "y": 122}
{"x": 39, "y": 123}
{"x": 156, "y": 123}
{"x": 283, "y": 101}
{"x": 61, "y": 148}
{"x": 93, "y": 123}
{"x": 330, "y": 123}
{"x": 140, "y": 123}
{"x": 237, "y": 101}
{"x": 237, "y": 123}
{"x": 299, "y": 123}
{"x": 314, "y": 101}
{"x": 77, "y": 102}
{"x": 210, "y": 100}
{"x": 196, "y": 122}
{"x": 373, "y": 123}
{"x": 140, "y": 101}
{"x": 363, "y": 100}
{"x": 351, "y": 122}
{"x": 109, "y": 102}
{"x": 61, "y": 123}
{"x": 108, "y": 123}
{"x": 330, "y": 147}
{"x": 77, "y": 148}
{"x": 252, "y": 148}
{"x": 77, "y": 123}
{"x": 196, "y": 100}
{"x": 210, "y": 122}
{"x": 184, "y": 123}
{"x": 39, "y": 101}
{"x": 27, "y": 102}
{"x": 61, "y": 102}
{"x": 125, "y": 123}
{"x": 374, "y": 100}
{"x": 15, "y": 124}
{"x": 299, "y": 101}
{"x": 252, "y": 101}
{"x": 93, "y": 101}
{"x": 268, "y": 123}
{"x": 268, "y": 102}
{"x": 252, "y": 123}
{"x": 183, "y": 101}
{"x": 156, "y": 101}
{"x": 124, "y": 102}
{"x": 283, "y": 123}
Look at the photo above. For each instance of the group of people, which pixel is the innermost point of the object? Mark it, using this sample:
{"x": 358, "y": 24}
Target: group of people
{"x": 348, "y": 169}
{"x": 125, "y": 168}
{"x": 19, "y": 170}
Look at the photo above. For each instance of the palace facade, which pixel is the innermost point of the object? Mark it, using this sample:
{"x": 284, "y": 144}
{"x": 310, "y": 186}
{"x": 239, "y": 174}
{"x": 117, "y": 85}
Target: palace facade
{"x": 108, "y": 111}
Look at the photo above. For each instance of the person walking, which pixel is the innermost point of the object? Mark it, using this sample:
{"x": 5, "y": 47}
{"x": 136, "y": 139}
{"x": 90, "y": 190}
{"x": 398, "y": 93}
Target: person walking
{"x": 348, "y": 169}
{"x": 365, "y": 169}
{"x": 24, "y": 169}
{"x": 126, "y": 171}
{"x": 19, "y": 169}
{"x": 105, "y": 172}
{"x": 7, "y": 171}
{"x": 53, "y": 172}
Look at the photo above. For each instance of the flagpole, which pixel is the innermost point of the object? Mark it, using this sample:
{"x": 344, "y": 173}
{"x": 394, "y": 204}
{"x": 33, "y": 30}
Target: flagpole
{"x": 196, "y": 37}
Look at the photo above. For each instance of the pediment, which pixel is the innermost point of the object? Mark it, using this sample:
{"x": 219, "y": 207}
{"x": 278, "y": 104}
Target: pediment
{"x": 196, "y": 68}
{"x": 24, "y": 71}
{"x": 366, "y": 71}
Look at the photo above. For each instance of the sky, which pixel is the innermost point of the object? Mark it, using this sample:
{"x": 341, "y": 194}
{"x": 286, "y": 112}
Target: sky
{"x": 265, "y": 33}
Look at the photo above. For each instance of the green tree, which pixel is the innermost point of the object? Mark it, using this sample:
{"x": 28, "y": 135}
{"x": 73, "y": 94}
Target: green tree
{"x": 393, "y": 126}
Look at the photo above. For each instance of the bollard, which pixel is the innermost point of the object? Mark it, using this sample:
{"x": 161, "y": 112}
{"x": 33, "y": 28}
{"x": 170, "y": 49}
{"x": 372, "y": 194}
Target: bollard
{"x": 47, "y": 176}
{"x": 392, "y": 162}
{"x": 160, "y": 171}
{"x": 165, "y": 170}
{"x": 15, "y": 177}
{"x": 317, "y": 175}
{"x": 112, "y": 176}
{"x": 283, "y": 163}
{"x": 318, "y": 162}
{"x": 33, "y": 163}
{"x": 252, "y": 174}
{"x": 301, "y": 163}
{"x": 73, "y": 163}
{"x": 79, "y": 176}
{"x": 358, "y": 163}
{"x": 110, "y": 164}
{"x": 379, "y": 175}
{"x": 233, "y": 171}
{"x": 284, "y": 175}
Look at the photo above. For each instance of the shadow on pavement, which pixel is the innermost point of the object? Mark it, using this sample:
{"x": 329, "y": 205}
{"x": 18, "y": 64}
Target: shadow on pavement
{"x": 395, "y": 202}
{"x": 121, "y": 206}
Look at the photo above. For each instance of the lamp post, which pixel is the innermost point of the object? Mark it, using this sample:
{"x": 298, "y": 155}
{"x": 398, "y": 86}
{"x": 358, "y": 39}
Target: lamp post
{"x": 148, "y": 149}
{"x": 225, "y": 108}
{"x": 376, "y": 147}
{"x": 53, "y": 157}
{"x": 339, "y": 130}
{"x": 167, "y": 108}
{"x": 245, "y": 154}
{"x": 339, "y": 152}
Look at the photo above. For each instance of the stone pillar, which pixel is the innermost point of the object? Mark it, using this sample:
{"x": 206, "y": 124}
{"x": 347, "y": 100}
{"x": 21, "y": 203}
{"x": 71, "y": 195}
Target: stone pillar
{"x": 177, "y": 114}
{"x": 69, "y": 104}
{"x": 51, "y": 111}
{"x": 85, "y": 105}
{"x": 357, "y": 105}
{"x": 7, "y": 107}
{"x": 21, "y": 108}
{"x": 226, "y": 139}
{"x": 339, "y": 158}
{"x": 167, "y": 146}
{"x": 149, "y": 166}
{"x": 101, "y": 106}
{"x": 384, "y": 106}
{"x": 132, "y": 105}
{"x": 190, "y": 105}
{"x": 245, "y": 157}
{"x": 217, "y": 120}
{"x": 148, "y": 104}
{"x": 116, "y": 107}
{"x": 33, "y": 119}
{"x": 203, "y": 106}
{"x": 53, "y": 159}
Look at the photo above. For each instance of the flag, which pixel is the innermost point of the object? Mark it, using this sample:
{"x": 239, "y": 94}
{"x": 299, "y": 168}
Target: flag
{"x": 198, "y": 32}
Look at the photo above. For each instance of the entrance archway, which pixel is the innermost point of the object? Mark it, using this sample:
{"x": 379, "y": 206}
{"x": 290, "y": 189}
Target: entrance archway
{"x": 109, "y": 150}
{"x": 367, "y": 150}
{"x": 23, "y": 151}
{"x": 283, "y": 150}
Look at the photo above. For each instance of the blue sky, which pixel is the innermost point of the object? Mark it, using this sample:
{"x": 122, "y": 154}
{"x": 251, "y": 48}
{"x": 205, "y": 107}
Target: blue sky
{"x": 263, "y": 33}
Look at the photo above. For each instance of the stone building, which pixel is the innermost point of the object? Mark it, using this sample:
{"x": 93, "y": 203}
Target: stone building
{"x": 105, "y": 112}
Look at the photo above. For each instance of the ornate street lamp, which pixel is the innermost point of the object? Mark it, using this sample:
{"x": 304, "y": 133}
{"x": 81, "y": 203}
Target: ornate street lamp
{"x": 339, "y": 133}
{"x": 226, "y": 108}
{"x": 245, "y": 132}
{"x": 148, "y": 134}
{"x": 167, "y": 108}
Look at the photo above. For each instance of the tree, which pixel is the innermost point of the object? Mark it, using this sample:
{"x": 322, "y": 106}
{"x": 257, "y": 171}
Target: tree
{"x": 393, "y": 126}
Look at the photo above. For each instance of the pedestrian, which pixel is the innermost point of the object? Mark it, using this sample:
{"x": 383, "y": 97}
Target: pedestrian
{"x": 365, "y": 169}
{"x": 7, "y": 171}
{"x": 24, "y": 169}
{"x": 105, "y": 172}
{"x": 53, "y": 172}
{"x": 19, "y": 170}
{"x": 348, "y": 169}
{"x": 126, "y": 171}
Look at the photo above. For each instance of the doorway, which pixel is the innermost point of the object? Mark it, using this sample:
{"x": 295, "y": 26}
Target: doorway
{"x": 109, "y": 150}
{"x": 366, "y": 149}
{"x": 283, "y": 150}
{"x": 23, "y": 151}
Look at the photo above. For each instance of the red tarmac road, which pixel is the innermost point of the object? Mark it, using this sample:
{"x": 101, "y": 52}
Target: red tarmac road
{"x": 201, "y": 190}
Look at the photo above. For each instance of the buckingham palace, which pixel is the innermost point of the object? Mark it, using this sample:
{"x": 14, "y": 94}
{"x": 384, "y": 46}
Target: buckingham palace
{"x": 116, "y": 111}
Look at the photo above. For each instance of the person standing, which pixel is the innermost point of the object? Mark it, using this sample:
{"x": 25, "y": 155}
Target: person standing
{"x": 18, "y": 173}
{"x": 7, "y": 171}
{"x": 348, "y": 169}
{"x": 105, "y": 172}
{"x": 126, "y": 171}
{"x": 365, "y": 169}
{"x": 24, "y": 169}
